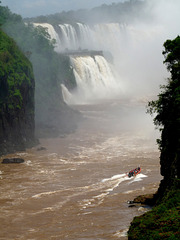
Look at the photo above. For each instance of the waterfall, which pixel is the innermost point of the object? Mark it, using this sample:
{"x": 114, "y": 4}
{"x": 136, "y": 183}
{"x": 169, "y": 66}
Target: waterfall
{"x": 94, "y": 76}
{"x": 53, "y": 34}
{"x": 109, "y": 37}
{"x": 135, "y": 51}
{"x": 68, "y": 36}
{"x": 86, "y": 36}
{"x": 95, "y": 80}
{"x": 75, "y": 37}
{"x": 81, "y": 36}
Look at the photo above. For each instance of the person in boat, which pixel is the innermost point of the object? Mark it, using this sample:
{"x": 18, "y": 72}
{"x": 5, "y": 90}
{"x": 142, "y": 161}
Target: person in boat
{"x": 130, "y": 174}
{"x": 134, "y": 172}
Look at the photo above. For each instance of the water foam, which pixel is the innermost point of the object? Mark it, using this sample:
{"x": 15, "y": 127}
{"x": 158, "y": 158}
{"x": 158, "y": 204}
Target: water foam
{"x": 1, "y": 174}
{"x": 106, "y": 186}
{"x": 118, "y": 176}
{"x": 121, "y": 233}
{"x": 137, "y": 178}
{"x": 95, "y": 80}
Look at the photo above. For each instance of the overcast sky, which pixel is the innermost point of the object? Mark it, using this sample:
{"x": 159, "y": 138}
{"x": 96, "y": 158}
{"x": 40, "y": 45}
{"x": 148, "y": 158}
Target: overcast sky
{"x": 31, "y": 8}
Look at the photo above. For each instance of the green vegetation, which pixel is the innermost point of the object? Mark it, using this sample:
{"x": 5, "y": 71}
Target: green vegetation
{"x": 50, "y": 68}
{"x": 125, "y": 12}
{"x": 16, "y": 97}
{"x": 163, "y": 222}
{"x": 15, "y": 71}
{"x": 167, "y": 108}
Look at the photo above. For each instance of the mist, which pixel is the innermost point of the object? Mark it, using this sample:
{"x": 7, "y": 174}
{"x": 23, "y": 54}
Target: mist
{"x": 133, "y": 38}
{"x": 136, "y": 47}
{"x": 35, "y": 8}
{"x": 92, "y": 86}
{"x": 143, "y": 48}
{"x": 130, "y": 35}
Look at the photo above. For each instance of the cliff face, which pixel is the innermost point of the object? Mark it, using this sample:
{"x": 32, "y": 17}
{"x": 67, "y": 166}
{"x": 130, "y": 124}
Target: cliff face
{"x": 170, "y": 155}
{"x": 163, "y": 222}
{"x": 16, "y": 98}
{"x": 169, "y": 117}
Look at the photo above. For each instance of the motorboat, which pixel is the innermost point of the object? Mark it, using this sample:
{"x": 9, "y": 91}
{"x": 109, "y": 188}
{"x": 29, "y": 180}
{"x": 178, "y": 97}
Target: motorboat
{"x": 134, "y": 172}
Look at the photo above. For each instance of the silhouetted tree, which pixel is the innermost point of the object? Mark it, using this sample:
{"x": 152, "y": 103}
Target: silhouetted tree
{"x": 167, "y": 108}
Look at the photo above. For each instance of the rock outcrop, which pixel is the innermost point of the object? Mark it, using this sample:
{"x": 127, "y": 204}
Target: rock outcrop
{"x": 12, "y": 160}
{"x": 16, "y": 98}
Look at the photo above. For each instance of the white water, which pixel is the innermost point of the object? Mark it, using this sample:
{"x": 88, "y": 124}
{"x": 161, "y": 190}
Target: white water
{"x": 68, "y": 37}
{"x": 106, "y": 37}
{"x": 95, "y": 77}
{"x": 137, "y": 59}
{"x": 53, "y": 34}
{"x": 95, "y": 80}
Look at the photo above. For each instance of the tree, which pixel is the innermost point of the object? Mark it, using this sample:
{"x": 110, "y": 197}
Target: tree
{"x": 172, "y": 54}
{"x": 167, "y": 109}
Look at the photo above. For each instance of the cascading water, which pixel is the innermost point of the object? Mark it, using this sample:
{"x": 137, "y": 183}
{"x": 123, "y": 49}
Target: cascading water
{"x": 53, "y": 34}
{"x": 68, "y": 36}
{"x": 81, "y": 36}
{"x": 94, "y": 76}
{"x": 95, "y": 80}
{"x": 132, "y": 58}
{"x": 86, "y": 37}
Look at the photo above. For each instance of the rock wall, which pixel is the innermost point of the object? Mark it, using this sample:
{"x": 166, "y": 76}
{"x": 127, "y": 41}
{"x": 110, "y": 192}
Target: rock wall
{"x": 16, "y": 98}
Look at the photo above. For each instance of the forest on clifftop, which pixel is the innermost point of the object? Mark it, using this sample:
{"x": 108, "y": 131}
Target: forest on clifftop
{"x": 123, "y": 12}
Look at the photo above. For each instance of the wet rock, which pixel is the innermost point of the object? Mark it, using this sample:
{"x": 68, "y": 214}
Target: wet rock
{"x": 148, "y": 199}
{"x": 132, "y": 205}
{"x": 12, "y": 160}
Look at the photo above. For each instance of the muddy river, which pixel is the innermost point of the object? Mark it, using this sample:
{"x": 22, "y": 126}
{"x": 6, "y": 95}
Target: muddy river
{"x": 77, "y": 187}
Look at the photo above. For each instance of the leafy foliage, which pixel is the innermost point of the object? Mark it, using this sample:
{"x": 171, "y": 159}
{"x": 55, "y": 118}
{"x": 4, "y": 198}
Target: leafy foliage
{"x": 15, "y": 71}
{"x": 167, "y": 109}
{"x": 50, "y": 69}
{"x": 172, "y": 54}
{"x": 6, "y": 15}
{"x": 163, "y": 222}
{"x": 169, "y": 98}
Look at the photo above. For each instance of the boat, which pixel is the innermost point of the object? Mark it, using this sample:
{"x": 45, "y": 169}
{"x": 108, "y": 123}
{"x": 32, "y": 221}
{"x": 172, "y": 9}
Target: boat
{"x": 134, "y": 172}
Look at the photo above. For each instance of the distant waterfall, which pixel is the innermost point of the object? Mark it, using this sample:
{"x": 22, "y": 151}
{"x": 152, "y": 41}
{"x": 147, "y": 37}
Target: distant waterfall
{"x": 53, "y": 34}
{"x": 80, "y": 36}
{"x": 132, "y": 48}
{"x": 69, "y": 37}
{"x": 75, "y": 37}
{"x": 135, "y": 50}
{"x": 94, "y": 76}
{"x": 95, "y": 80}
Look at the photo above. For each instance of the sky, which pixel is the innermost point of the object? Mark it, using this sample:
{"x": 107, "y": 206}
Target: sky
{"x": 32, "y": 8}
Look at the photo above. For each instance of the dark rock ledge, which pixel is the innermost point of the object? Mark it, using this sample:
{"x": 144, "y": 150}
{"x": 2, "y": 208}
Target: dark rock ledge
{"x": 147, "y": 199}
{"x": 12, "y": 160}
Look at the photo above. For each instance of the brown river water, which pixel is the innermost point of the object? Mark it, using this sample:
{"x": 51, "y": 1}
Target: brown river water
{"x": 77, "y": 188}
